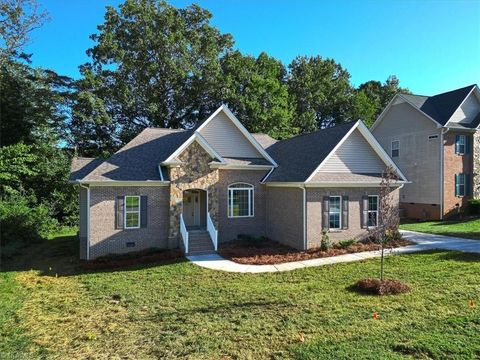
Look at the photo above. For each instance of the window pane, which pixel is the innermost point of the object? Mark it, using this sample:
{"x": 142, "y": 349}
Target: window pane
{"x": 372, "y": 218}
{"x": 335, "y": 204}
{"x": 372, "y": 203}
{"x": 240, "y": 202}
{"x": 132, "y": 219}
{"x": 132, "y": 203}
{"x": 334, "y": 220}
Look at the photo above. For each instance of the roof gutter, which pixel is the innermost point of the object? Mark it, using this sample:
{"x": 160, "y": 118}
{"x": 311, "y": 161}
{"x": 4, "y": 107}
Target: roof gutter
{"x": 304, "y": 216}
{"x": 88, "y": 220}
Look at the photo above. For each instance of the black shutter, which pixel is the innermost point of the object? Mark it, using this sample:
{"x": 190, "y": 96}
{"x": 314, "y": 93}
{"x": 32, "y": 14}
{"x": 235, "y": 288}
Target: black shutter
{"x": 344, "y": 212}
{"x": 467, "y": 144}
{"x": 119, "y": 208}
{"x": 143, "y": 211}
{"x": 364, "y": 215}
{"x": 325, "y": 211}
{"x": 467, "y": 185}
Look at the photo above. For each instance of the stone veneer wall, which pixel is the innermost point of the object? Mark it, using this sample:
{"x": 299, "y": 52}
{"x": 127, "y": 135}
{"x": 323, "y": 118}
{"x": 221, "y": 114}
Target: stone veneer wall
{"x": 194, "y": 173}
{"x": 476, "y": 165}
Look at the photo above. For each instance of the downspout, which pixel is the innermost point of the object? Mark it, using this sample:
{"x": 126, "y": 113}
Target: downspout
{"x": 442, "y": 170}
{"x": 88, "y": 219}
{"x": 304, "y": 216}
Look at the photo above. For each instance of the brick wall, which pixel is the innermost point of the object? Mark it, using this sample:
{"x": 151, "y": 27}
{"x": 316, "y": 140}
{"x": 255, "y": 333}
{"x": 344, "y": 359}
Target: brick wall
{"x": 476, "y": 165}
{"x": 105, "y": 239}
{"x": 421, "y": 211}
{"x": 229, "y": 228}
{"x": 453, "y": 164}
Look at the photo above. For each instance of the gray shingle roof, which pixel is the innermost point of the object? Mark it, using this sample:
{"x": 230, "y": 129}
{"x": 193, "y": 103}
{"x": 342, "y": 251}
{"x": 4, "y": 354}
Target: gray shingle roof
{"x": 442, "y": 106}
{"x": 139, "y": 159}
{"x": 299, "y": 156}
{"x": 265, "y": 140}
{"x": 81, "y": 166}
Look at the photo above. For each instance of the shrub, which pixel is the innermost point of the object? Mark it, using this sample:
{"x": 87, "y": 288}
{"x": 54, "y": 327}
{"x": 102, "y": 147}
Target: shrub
{"x": 325, "y": 244}
{"x": 378, "y": 287}
{"x": 473, "y": 207}
{"x": 22, "y": 223}
{"x": 346, "y": 243}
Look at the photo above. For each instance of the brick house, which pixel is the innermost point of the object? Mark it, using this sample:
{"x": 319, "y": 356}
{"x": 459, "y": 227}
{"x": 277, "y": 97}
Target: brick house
{"x": 195, "y": 189}
{"x": 435, "y": 140}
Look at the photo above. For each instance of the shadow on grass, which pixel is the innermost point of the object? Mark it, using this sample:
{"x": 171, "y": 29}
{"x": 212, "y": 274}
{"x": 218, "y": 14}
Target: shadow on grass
{"x": 460, "y": 256}
{"x": 59, "y": 256}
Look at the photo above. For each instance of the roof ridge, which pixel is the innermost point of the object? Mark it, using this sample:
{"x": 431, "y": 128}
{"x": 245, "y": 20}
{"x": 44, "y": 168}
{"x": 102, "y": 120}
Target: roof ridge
{"x": 454, "y": 90}
{"x": 320, "y": 130}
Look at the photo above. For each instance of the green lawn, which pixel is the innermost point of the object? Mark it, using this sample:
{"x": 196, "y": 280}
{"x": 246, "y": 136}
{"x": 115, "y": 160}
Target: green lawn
{"x": 180, "y": 310}
{"x": 461, "y": 228}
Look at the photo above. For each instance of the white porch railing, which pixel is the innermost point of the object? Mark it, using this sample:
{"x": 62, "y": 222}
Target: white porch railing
{"x": 184, "y": 232}
{"x": 212, "y": 231}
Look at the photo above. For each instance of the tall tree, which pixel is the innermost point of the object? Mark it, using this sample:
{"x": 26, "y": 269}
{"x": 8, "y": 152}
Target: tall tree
{"x": 381, "y": 94}
{"x": 364, "y": 108}
{"x": 256, "y": 90}
{"x": 152, "y": 65}
{"x": 321, "y": 91}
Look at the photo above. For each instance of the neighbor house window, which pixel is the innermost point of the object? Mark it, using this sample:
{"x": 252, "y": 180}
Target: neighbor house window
{"x": 460, "y": 142}
{"x": 132, "y": 212}
{"x": 372, "y": 210}
{"x": 240, "y": 200}
{"x": 462, "y": 184}
{"x": 334, "y": 212}
{"x": 395, "y": 148}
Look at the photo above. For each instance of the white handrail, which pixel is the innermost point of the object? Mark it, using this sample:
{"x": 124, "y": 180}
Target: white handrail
{"x": 212, "y": 231}
{"x": 184, "y": 232}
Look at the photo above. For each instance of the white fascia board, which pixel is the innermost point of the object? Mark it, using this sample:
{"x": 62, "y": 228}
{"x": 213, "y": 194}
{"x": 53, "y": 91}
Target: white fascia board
{"x": 124, "y": 183}
{"x": 334, "y": 185}
{"x": 240, "y": 167}
{"x": 203, "y": 143}
{"x": 242, "y": 129}
{"x": 474, "y": 89}
{"x": 333, "y": 151}
{"x": 160, "y": 172}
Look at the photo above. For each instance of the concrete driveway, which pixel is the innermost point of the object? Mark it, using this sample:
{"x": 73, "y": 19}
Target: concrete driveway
{"x": 432, "y": 241}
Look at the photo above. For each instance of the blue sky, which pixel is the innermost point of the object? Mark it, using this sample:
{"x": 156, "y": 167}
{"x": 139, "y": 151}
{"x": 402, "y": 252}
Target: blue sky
{"x": 432, "y": 46}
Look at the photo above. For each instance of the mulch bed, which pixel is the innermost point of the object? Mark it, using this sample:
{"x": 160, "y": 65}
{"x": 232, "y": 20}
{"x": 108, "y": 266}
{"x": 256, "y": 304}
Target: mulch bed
{"x": 378, "y": 287}
{"x": 264, "y": 252}
{"x": 132, "y": 259}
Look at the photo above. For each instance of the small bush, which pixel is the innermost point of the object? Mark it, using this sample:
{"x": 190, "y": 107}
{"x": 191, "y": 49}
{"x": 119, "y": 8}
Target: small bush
{"x": 385, "y": 287}
{"x": 473, "y": 207}
{"x": 346, "y": 243}
{"x": 22, "y": 223}
{"x": 325, "y": 244}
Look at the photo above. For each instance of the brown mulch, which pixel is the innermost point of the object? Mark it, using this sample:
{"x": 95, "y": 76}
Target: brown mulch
{"x": 267, "y": 252}
{"x": 385, "y": 287}
{"x": 131, "y": 259}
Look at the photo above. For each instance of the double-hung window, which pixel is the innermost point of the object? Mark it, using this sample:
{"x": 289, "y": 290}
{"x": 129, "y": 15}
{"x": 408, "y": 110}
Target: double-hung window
{"x": 132, "y": 212}
{"x": 460, "y": 144}
{"x": 462, "y": 184}
{"x": 335, "y": 212}
{"x": 372, "y": 210}
{"x": 395, "y": 148}
{"x": 240, "y": 200}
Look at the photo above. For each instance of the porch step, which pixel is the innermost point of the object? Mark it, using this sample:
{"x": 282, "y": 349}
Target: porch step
{"x": 199, "y": 242}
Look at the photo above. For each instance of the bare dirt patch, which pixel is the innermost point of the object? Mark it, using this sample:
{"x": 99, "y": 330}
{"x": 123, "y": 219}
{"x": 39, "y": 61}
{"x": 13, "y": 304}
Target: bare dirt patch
{"x": 265, "y": 252}
{"x": 379, "y": 287}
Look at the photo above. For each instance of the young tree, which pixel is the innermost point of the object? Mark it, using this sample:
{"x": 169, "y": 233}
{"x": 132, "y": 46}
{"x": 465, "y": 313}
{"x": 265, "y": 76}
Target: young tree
{"x": 388, "y": 215}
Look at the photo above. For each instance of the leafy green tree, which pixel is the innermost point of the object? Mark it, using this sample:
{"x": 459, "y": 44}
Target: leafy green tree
{"x": 321, "y": 91}
{"x": 256, "y": 90}
{"x": 364, "y": 108}
{"x": 381, "y": 94}
{"x": 152, "y": 65}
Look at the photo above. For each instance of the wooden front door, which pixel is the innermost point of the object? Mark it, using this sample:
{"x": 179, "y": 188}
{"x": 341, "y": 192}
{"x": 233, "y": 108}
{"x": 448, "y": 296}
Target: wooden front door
{"x": 191, "y": 208}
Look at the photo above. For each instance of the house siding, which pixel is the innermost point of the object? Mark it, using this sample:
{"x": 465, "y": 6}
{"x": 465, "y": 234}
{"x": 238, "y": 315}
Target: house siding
{"x": 467, "y": 111}
{"x": 315, "y": 209}
{"x": 230, "y": 228}
{"x": 227, "y": 139}
{"x": 285, "y": 215}
{"x": 454, "y": 164}
{"x": 105, "y": 239}
{"x": 355, "y": 155}
{"x": 420, "y": 157}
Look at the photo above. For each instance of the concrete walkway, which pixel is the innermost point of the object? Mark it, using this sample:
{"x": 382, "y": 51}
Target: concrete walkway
{"x": 424, "y": 242}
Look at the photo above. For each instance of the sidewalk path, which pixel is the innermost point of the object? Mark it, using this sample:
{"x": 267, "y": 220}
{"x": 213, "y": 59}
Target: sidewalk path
{"x": 424, "y": 242}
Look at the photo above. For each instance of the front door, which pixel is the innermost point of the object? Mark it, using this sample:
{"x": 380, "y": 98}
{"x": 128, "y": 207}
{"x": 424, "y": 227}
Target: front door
{"x": 191, "y": 208}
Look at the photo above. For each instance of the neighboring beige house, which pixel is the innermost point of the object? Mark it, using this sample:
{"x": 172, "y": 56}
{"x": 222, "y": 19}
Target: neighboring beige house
{"x": 195, "y": 189}
{"x": 435, "y": 140}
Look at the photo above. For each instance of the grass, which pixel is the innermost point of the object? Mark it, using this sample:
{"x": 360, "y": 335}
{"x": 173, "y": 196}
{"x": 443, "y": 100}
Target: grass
{"x": 180, "y": 310}
{"x": 460, "y": 228}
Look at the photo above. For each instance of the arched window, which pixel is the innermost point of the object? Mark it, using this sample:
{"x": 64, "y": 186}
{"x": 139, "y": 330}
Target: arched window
{"x": 240, "y": 200}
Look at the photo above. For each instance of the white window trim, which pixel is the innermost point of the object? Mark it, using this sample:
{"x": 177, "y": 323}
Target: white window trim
{"x": 398, "y": 149}
{"x": 251, "y": 200}
{"x": 131, "y": 212}
{"x": 339, "y": 213}
{"x": 372, "y": 211}
{"x": 462, "y": 142}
